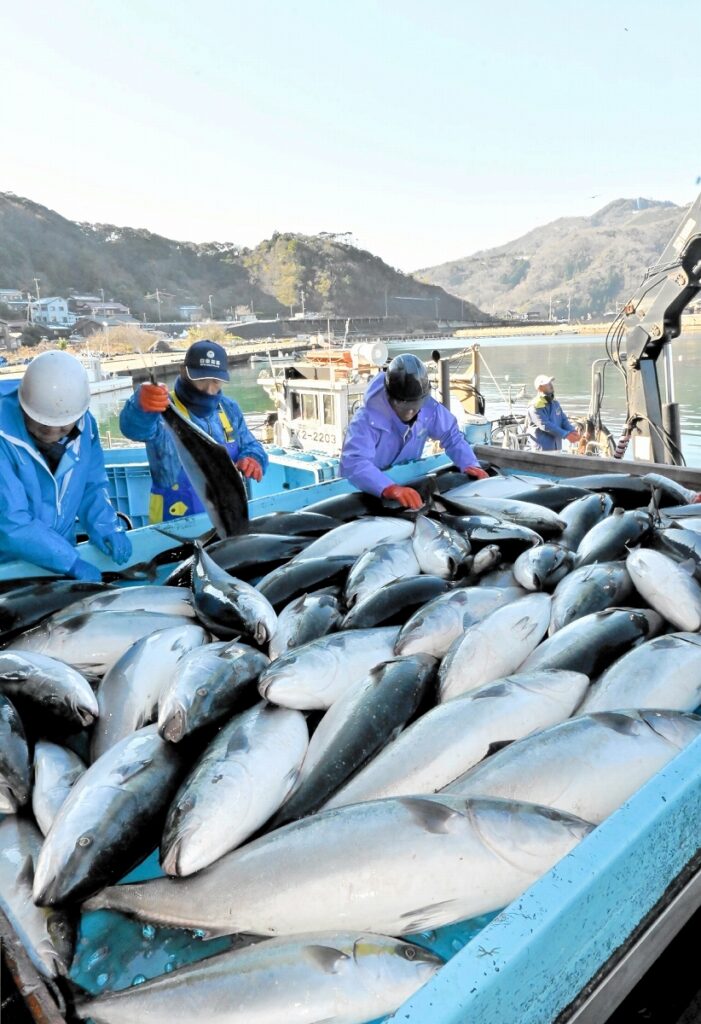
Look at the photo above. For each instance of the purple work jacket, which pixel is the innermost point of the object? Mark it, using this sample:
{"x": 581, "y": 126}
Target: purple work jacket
{"x": 377, "y": 439}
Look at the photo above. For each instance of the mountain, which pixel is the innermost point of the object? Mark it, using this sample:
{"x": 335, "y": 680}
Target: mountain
{"x": 592, "y": 262}
{"x": 130, "y": 264}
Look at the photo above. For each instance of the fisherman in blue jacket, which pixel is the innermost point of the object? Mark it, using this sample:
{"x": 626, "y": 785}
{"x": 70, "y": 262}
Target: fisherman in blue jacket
{"x": 52, "y": 471}
{"x": 546, "y": 423}
{"x": 197, "y": 395}
{"x": 398, "y": 418}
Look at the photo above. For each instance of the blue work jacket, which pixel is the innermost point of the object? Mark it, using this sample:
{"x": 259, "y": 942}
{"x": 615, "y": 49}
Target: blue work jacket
{"x": 547, "y": 425}
{"x": 38, "y": 508}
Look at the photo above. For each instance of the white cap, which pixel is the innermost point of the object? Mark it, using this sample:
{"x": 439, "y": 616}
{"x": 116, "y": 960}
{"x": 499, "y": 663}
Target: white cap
{"x": 541, "y": 380}
{"x": 55, "y": 390}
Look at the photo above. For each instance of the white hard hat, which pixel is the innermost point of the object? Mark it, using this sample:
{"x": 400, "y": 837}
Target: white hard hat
{"x": 55, "y": 390}
{"x": 541, "y": 380}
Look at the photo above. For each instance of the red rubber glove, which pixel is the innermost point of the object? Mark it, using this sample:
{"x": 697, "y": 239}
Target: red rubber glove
{"x": 153, "y": 397}
{"x": 406, "y": 496}
{"x": 250, "y": 468}
{"x": 476, "y": 471}
{"x": 574, "y": 436}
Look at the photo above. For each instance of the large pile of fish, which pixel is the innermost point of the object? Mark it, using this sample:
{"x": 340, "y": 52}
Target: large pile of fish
{"x": 344, "y": 727}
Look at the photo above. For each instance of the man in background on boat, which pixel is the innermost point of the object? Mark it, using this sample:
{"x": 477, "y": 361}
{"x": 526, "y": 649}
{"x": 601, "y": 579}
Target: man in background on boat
{"x": 197, "y": 395}
{"x": 398, "y": 418}
{"x": 546, "y": 422}
{"x": 53, "y": 471}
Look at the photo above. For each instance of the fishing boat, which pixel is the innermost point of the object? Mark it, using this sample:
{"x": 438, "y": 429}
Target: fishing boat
{"x": 569, "y": 949}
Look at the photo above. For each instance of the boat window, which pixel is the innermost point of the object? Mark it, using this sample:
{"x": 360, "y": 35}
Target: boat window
{"x": 295, "y": 406}
{"x": 309, "y": 407}
{"x": 328, "y": 409}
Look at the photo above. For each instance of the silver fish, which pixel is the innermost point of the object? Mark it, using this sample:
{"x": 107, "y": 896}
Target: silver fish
{"x": 543, "y": 567}
{"x": 360, "y": 723}
{"x": 56, "y": 771}
{"x": 306, "y": 618}
{"x": 382, "y": 564}
{"x": 228, "y": 606}
{"x": 494, "y": 647}
{"x": 249, "y": 768}
{"x": 315, "y": 675}
{"x": 453, "y": 737}
{"x": 433, "y": 628}
{"x": 93, "y": 642}
{"x": 213, "y": 475}
{"x": 667, "y": 587}
{"x": 208, "y": 685}
{"x": 661, "y": 673}
{"x": 46, "y": 935}
{"x": 110, "y": 819}
{"x": 439, "y": 550}
{"x": 49, "y": 683}
{"x": 588, "y": 766}
{"x": 334, "y": 978}
{"x": 395, "y": 866}
{"x": 592, "y": 588}
{"x": 164, "y": 600}
{"x": 128, "y": 694}
{"x": 358, "y": 537}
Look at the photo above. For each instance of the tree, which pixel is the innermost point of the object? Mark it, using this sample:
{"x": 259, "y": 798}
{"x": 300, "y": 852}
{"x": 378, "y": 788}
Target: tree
{"x": 32, "y": 335}
{"x": 210, "y": 332}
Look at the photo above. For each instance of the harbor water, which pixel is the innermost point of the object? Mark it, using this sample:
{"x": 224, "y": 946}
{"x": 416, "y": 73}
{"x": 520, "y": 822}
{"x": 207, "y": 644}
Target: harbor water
{"x": 508, "y": 363}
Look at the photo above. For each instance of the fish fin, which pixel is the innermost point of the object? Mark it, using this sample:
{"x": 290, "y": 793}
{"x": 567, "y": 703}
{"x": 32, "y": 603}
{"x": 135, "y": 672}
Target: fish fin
{"x": 689, "y": 566}
{"x": 130, "y": 771}
{"x": 327, "y": 958}
{"x": 26, "y": 872}
{"x": 498, "y": 745}
{"x": 424, "y": 918}
{"x": 431, "y": 815}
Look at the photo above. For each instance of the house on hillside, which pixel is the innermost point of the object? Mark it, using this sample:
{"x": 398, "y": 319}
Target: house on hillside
{"x": 95, "y": 307}
{"x": 13, "y": 299}
{"x": 52, "y": 312}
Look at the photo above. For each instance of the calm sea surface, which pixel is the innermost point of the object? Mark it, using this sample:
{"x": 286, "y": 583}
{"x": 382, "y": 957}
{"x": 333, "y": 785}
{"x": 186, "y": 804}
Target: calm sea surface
{"x": 507, "y": 364}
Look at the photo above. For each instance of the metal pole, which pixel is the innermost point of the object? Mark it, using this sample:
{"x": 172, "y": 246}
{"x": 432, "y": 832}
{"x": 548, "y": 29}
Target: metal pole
{"x": 444, "y": 371}
{"x": 669, "y": 371}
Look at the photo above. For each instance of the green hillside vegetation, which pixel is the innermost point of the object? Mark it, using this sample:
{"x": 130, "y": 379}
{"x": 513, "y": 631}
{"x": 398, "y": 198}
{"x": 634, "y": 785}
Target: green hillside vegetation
{"x": 594, "y": 263}
{"x": 130, "y": 265}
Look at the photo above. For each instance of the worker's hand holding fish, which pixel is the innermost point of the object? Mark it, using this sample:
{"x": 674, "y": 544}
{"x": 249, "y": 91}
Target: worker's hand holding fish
{"x": 153, "y": 397}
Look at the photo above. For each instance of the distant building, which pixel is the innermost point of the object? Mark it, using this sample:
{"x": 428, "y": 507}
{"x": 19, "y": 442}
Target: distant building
{"x": 52, "y": 312}
{"x": 533, "y": 314}
{"x": 13, "y": 298}
{"x": 94, "y": 306}
{"x": 191, "y": 312}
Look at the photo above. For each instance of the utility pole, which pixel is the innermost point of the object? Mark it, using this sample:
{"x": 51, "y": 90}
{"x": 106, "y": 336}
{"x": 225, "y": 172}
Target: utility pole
{"x": 550, "y": 314}
{"x": 301, "y": 295}
{"x": 386, "y": 313}
{"x": 211, "y": 314}
{"x": 569, "y": 307}
{"x": 158, "y": 300}
{"x": 36, "y": 285}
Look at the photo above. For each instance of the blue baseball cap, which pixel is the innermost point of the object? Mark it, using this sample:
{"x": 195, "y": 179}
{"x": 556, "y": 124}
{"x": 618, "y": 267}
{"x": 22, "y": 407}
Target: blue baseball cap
{"x": 206, "y": 359}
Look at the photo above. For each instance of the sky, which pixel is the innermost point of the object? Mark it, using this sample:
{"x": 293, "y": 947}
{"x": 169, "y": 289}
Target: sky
{"x": 428, "y": 129}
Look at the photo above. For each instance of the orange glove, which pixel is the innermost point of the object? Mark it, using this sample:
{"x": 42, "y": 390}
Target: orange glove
{"x": 696, "y": 500}
{"x": 574, "y": 436}
{"x": 153, "y": 397}
{"x": 476, "y": 471}
{"x": 250, "y": 468}
{"x": 406, "y": 496}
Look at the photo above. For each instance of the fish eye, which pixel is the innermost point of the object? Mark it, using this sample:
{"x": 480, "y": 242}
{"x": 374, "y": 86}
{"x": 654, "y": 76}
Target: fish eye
{"x": 84, "y": 841}
{"x": 410, "y": 952}
{"x": 201, "y": 691}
